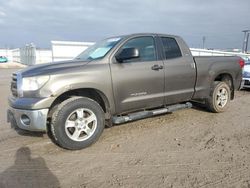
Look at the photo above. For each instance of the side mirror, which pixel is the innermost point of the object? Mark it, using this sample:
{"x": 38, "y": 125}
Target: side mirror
{"x": 127, "y": 53}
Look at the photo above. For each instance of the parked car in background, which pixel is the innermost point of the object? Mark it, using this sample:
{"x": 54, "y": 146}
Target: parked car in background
{"x": 246, "y": 75}
{"x": 3, "y": 59}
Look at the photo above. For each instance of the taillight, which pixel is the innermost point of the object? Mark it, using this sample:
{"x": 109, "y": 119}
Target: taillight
{"x": 241, "y": 62}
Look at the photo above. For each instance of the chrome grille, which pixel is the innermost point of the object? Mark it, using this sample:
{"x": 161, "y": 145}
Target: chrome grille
{"x": 247, "y": 82}
{"x": 13, "y": 86}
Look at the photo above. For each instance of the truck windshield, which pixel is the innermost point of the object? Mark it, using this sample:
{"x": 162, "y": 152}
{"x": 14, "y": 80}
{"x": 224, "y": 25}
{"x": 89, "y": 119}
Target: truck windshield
{"x": 98, "y": 50}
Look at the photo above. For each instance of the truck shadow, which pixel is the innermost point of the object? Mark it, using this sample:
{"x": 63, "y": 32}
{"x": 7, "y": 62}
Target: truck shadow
{"x": 246, "y": 89}
{"x": 28, "y": 133}
{"x": 200, "y": 107}
{"x": 28, "y": 172}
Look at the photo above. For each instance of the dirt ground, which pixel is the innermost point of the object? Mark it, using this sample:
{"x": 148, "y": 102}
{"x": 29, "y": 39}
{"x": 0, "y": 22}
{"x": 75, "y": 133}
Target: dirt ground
{"x": 189, "y": 148}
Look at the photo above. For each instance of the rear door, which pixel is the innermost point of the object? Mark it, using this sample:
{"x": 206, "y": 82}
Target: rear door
{"x": 180, "y": 72}
{"x": 138, "y": 83}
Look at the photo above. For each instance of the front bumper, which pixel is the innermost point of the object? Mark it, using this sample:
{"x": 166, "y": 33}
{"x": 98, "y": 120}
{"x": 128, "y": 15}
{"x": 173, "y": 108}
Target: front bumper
{"x": 31, "y": 120}
{"x": 245, "y": 83}
{"x": 30, "y": 103}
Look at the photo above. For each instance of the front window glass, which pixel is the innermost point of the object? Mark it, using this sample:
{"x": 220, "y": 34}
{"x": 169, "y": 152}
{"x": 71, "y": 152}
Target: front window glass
{"x": 98, "y": 50}
{"x": 146, "y": 48}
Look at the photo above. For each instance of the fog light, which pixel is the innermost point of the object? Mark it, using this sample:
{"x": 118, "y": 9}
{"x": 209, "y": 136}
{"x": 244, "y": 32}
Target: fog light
{"x": 25, "y": 119}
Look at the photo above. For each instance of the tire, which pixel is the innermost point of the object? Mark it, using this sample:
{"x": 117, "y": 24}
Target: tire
{"x": 77, "y": 123}
{"x": 219, "y": 97}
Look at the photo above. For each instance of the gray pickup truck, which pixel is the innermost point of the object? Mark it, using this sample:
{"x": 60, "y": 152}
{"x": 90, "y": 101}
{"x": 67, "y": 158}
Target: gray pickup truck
{"x": 117, "y": 80}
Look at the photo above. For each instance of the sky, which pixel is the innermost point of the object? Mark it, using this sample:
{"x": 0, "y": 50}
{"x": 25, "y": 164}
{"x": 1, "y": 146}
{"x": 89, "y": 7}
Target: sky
{"x": 39, "y": 21}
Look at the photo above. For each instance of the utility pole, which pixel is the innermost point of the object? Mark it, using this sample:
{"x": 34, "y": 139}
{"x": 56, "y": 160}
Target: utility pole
{"x": 245, "y": 41}
{"x": 203, "y": 42}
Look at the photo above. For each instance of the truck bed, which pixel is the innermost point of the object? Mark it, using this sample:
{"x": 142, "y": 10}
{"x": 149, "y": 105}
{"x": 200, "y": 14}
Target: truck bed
{"x": 211, "y": 66}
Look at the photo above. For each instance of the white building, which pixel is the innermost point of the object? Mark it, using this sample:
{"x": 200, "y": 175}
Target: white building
{"x": 66, "y": 50}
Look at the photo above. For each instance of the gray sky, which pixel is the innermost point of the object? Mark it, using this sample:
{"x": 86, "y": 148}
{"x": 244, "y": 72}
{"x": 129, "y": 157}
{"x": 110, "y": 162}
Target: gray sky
{"x": 25, "y": 21}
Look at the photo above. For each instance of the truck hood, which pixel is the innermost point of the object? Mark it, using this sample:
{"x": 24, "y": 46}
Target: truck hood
{"x": 52, "y": 68}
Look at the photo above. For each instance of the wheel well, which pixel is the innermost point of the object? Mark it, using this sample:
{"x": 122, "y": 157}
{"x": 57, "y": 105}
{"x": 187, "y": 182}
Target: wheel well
{"x": 227, "y": 78}
{"x": 94, "y": 94}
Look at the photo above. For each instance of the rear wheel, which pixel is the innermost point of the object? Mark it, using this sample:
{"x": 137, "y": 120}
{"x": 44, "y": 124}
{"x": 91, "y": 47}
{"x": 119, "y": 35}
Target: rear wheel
{"x": 77, "y": 123}
{"x": 219, "y": 97}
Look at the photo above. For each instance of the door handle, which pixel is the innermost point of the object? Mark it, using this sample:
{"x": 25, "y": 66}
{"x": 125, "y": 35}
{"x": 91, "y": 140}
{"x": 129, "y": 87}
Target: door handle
{"x": 157, "y": 67}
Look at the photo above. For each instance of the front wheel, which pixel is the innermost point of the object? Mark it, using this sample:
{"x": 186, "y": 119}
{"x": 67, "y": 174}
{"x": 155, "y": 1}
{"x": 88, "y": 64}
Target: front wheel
{"x": 77, "y": 123}
{"x": 219, "y": 97}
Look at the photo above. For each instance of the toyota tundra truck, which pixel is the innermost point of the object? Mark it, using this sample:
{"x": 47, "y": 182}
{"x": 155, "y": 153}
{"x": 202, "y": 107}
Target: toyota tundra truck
{"x": 117, "y": 80}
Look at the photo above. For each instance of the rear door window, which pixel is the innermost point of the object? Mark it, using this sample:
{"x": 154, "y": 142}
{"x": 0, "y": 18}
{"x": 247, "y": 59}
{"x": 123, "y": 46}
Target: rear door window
{"x": 170, "y": 48}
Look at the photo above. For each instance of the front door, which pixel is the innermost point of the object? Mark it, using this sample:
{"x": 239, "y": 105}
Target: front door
{"x": 138, "y": 83}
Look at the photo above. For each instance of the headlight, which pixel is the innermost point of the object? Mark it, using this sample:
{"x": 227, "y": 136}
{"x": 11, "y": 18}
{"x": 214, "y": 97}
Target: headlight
{"x": 33, "y": 83}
